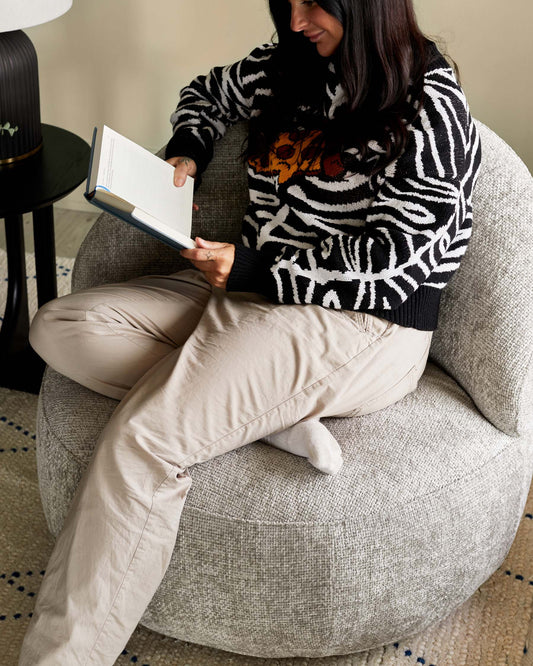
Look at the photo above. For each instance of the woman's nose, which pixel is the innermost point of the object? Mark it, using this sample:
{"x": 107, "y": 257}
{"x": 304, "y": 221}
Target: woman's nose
{"x": 298, "y": 20}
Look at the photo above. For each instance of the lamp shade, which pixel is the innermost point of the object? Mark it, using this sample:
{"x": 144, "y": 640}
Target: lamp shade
{"x": 18, "y": 14}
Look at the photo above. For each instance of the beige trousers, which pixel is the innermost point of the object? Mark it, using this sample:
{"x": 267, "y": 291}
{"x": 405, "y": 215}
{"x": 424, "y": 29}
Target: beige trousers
{"x": 199, "y": 372}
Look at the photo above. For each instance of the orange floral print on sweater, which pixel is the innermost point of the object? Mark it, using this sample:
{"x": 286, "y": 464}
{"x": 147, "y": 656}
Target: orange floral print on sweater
{"x": 298, "y": 153}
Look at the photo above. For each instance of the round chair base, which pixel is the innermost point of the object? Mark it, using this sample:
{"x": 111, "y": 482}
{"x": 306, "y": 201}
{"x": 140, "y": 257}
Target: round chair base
{"x": 275, "y": 559}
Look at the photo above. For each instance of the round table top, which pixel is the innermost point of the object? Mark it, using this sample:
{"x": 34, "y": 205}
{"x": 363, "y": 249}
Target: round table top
{"x": 44, "y": 178}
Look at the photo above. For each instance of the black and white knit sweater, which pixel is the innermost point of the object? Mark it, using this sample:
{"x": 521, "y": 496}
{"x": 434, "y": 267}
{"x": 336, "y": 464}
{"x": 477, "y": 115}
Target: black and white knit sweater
{"x": 316, "y": 233}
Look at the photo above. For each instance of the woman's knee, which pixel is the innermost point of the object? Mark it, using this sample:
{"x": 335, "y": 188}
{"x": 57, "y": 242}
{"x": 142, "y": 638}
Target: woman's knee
{"x": 51, "y": 329}
{"x": 40, "y": 326}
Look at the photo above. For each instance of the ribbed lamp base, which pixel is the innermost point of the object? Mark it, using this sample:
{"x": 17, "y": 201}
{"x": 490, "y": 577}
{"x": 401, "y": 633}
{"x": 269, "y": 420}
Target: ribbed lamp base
{"x": 20, "y": 116}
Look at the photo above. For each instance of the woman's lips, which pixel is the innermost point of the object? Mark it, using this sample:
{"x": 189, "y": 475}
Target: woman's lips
{"x": 315, "y": 36}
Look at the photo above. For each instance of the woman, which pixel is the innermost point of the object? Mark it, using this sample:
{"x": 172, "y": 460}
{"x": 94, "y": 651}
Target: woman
{"x": 362, "y": 156}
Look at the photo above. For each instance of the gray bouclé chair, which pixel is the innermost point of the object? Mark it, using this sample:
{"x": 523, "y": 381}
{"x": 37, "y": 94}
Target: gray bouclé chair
{"x": 275, "y": 559}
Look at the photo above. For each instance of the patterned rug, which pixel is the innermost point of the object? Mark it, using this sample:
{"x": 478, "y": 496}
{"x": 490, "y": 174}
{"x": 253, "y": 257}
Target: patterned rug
{"x": 64, "y": 271}
{"x": 493, "y": 628}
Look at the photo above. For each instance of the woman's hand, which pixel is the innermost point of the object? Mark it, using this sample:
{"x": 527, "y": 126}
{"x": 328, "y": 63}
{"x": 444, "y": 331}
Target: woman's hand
{"x": 183, "y": 167}
{"x": 214, "y": 260}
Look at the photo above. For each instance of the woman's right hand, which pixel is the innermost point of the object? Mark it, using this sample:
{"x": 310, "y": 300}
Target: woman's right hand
{"x": 183, "y": 167}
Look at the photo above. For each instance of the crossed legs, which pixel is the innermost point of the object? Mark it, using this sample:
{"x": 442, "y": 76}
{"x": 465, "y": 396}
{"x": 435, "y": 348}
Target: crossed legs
{"x": 107, "y": 338}
{"x": 238, "y": 370}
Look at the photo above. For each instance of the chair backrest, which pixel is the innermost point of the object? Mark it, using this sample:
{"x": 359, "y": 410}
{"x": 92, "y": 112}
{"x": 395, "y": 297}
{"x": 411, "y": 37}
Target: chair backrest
{"x": 485, "y": 334}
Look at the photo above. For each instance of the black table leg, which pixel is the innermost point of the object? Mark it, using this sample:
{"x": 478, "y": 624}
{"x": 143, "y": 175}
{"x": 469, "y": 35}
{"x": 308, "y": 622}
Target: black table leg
{"x": 45, "y": 254}
{"x": 14, "y": 334}
{"x": 20, "y": 367}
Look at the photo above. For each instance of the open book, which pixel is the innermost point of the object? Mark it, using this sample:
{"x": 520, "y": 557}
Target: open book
{"x": 137, "y": 186}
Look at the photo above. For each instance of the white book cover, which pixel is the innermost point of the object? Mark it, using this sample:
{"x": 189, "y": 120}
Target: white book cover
{"x": 134, "y": 180}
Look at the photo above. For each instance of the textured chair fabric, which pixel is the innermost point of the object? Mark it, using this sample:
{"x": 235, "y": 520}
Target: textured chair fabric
{"x": 273, "y": 558}
{"x": 485, "y": 334}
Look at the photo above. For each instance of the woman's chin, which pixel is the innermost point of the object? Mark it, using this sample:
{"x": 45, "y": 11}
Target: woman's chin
{"x": 324, "y": 50}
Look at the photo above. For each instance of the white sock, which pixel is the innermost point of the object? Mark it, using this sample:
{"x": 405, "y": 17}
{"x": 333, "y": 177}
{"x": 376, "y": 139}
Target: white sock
{"x": 311, "y": 440}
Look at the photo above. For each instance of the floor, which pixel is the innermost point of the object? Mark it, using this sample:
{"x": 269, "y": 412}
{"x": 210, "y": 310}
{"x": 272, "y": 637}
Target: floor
{"x": 71, "y": 227}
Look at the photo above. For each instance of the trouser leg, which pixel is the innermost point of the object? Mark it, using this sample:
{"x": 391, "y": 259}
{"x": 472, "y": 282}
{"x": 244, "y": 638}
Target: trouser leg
{"x": 248, "y": 369}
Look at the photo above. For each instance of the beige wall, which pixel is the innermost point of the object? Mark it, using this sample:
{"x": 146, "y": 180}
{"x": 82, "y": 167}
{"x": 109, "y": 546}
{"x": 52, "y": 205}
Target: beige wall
{"x": 122, "y": 62}
{"x": 491, "y": 42}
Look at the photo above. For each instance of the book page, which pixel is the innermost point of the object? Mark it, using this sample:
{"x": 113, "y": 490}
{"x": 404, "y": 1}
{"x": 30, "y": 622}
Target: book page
{"x": 134, "y": 174}
{"x": 152, "y": 224}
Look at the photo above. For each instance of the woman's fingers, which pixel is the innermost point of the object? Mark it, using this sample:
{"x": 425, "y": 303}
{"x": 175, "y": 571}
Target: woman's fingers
{"x": 214, "y": 260}
{"x": 183, "y": 167}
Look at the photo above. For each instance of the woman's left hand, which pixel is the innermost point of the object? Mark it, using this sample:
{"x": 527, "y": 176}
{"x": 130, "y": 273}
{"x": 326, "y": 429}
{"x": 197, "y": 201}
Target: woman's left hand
{"x": 214, "y": 260}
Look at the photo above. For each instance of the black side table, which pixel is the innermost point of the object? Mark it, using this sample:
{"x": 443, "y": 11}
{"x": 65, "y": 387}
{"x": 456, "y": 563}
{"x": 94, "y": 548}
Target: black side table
{"x": 34, "y": 185}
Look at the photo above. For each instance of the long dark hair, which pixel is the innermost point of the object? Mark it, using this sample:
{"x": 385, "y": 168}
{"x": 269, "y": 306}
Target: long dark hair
{"x": 381, "y": 62}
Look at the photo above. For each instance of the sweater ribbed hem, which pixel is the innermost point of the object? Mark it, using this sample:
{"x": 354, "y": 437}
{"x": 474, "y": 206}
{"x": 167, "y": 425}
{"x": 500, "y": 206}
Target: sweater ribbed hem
{"x": 420, "y": 310}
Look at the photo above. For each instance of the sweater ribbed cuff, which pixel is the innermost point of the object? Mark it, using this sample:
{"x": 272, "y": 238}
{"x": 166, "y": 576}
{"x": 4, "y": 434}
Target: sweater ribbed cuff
{"x": 183, "y": 144}
{"x": 249, "y": 271}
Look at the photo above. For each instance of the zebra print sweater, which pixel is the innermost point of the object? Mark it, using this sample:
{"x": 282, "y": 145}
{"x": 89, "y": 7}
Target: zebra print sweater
{"x": 315, "y": 232}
